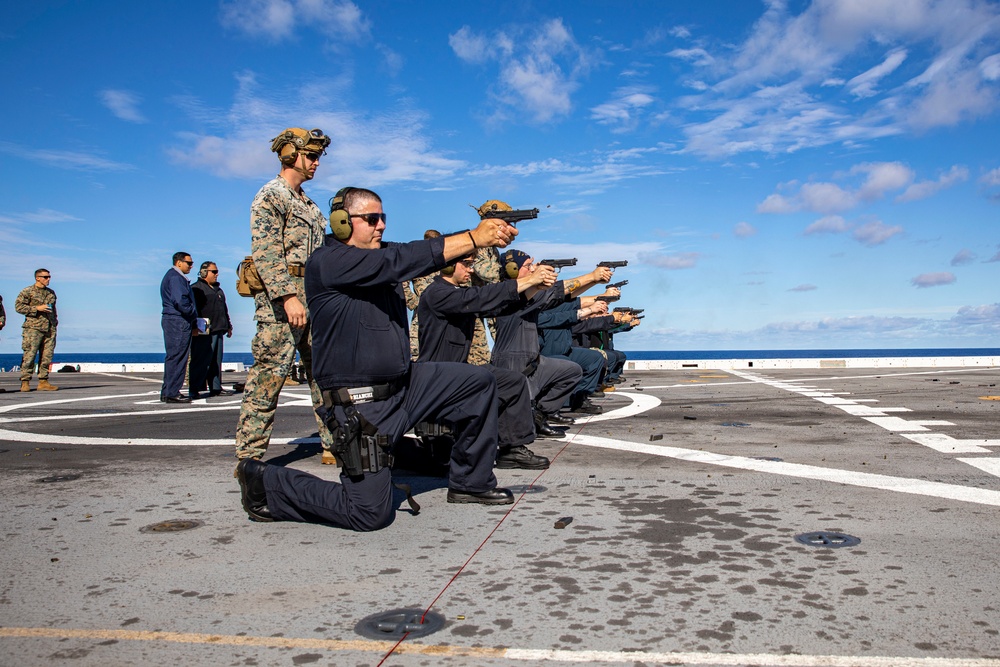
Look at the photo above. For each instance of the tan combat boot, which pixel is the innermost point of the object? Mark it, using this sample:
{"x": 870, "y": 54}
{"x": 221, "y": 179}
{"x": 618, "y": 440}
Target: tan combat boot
{"x": 25, "y": 386}
{"x": 43, "y": 385}
{"x": 328, "y": 458}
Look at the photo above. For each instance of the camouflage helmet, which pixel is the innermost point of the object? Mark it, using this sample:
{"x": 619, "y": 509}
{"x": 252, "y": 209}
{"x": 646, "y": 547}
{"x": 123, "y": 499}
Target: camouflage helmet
{"x": 288, "y": 144}
{"x": 493, "y": 205}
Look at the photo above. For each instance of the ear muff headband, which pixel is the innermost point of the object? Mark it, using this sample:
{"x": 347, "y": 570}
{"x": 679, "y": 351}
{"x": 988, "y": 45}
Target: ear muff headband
{"x": 340, "y": 219}
{"x": 512, "y": 269}
{"x": 448, "y": 270}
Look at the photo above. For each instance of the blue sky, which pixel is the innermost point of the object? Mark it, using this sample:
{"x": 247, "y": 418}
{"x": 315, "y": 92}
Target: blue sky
{"x": 778, "y": 174}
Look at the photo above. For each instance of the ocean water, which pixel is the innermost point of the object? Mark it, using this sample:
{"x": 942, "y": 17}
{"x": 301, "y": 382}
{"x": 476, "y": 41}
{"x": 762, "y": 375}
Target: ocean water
{"x": 8, "y": 361}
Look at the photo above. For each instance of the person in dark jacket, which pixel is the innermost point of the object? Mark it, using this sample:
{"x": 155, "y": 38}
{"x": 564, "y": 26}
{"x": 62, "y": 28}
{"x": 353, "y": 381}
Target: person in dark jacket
{"x": 448, "y": 312}
{"x": 372, "y": 393}
{"x": 517, "y": 346}
{"x": 178, "y": 322}
{"x": 206, "y": 348}
{"x": 555, "y": 330}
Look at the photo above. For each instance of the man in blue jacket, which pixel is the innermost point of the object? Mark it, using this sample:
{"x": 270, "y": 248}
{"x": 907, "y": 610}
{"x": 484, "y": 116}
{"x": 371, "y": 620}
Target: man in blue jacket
{"x": 178, "y": 322}
{"x": 372, "y": 393}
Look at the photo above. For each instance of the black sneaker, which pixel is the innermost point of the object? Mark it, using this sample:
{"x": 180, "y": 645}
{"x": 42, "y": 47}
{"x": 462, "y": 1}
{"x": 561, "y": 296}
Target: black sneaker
{"x": 521, "y": 457}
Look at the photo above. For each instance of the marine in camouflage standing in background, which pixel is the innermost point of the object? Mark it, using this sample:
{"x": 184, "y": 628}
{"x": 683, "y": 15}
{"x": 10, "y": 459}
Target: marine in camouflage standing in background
{"x": 412, "y": 295}
{"x": 285, "y": 227}
{"x": 485, "y": 271}
{"x": 38, "y": 305}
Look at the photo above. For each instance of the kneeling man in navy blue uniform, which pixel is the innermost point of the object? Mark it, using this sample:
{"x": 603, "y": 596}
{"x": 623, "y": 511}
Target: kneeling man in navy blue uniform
{"x": 372, "y": 393}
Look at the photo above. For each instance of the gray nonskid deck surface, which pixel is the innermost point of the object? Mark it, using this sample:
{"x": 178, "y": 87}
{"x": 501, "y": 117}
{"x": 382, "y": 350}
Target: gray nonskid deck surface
{"x": 685, "y": 498}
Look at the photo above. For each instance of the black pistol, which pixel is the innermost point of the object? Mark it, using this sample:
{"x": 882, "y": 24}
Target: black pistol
{"x": 559, "y": 263}
{"x": 510, "y": 217}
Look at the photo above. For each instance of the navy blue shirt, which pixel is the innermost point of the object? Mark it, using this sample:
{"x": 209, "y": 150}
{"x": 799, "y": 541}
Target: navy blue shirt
{"x": 447, "y": 316}
{"x": 516, "y": 345}
{"x": 360, "y": 335}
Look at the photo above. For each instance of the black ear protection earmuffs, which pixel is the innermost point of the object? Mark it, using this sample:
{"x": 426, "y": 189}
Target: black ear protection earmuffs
{"x": 340, "y": 219}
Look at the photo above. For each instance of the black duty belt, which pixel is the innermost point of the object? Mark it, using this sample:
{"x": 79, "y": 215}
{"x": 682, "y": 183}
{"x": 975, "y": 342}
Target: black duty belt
{"x": 366, "y": 394}
{"x": 297, "y": 270}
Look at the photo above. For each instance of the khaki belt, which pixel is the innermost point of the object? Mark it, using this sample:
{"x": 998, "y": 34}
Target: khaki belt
{"x": 297, "y": 270}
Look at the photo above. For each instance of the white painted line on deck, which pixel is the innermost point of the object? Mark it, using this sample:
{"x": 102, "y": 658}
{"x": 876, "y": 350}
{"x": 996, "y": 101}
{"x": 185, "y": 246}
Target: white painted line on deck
{"x": 861, "y": 479}
{"x": 990, "y": 465}
{"x": 484, "y": 653}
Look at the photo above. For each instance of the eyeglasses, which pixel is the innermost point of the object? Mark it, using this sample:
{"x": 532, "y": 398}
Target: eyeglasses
{"x": 189, "y": 262}
{"x": 371, "y": 218}
{"x": 213, "y": 271}
{"x": 314, "y": 157}
{"x": 45, "y": 277}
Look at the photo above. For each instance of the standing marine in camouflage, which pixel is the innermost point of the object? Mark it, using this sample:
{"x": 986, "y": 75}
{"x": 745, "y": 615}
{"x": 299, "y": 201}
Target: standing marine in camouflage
{"x": 285, "y": 227}
{"x": 485, "y": 270}
{"x": 38, "y": 305}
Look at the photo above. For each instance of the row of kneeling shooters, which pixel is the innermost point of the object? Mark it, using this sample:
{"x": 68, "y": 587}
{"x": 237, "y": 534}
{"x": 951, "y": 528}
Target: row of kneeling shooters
{"x": 368, "y": 387}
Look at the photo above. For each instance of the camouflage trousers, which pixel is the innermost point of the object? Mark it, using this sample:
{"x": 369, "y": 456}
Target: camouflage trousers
{"x": 32, "y": 342}
{"x": 479, "y": 353}
{"x": 273, "y": 351}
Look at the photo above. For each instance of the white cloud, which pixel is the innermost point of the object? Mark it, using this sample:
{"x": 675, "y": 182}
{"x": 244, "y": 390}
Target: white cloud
{"x": 744, "y": 229}
{"x": 933, "y": 279}
{"x": 468, "y": 46}
{"x": 991, "y": 177}
{"x": 64, "y": 159}
{"x": 794, "y": 58}
{"x": 830, "y": 224}
{"x": 876, "y": 233}
{"x": 123, "y": 104}
{"x": 863, "y": 85}
{"x": 699, "y": 57}
{"x": 338, "y": 21}
{"x": 976, "y": 315}
{"x": 624, "y": 111}
{"x": 539, "y": 67}
{"x": 963, "y": 257}
{"x": 882, "y": 177}
{"x": 925, "y": 189}
{"x": 673, "y": 261}
{"x": 803, "y": 288}
{"x": 990, "y": 67}
{"x": 243, "y": 151}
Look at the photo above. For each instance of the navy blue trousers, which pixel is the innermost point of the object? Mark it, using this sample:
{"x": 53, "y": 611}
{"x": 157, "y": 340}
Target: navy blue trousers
{"x": 177, "y": 341}
{"x": 460, "y": 395}
{"x": 553, "y": 382}
{"x": 206, "y": 363}
{"x": 293, "y": 495}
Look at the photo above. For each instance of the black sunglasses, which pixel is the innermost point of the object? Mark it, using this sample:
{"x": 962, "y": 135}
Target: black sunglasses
{"x": 313, "y": 156}
{"x": 371, "y": 218}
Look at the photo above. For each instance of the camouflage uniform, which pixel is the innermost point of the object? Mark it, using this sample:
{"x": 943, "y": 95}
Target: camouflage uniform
{"x": 285, "y": 228}
{"x": 39, "y": 332}
{"x": 412, "y": 300}
{"x": 485, "y": 270}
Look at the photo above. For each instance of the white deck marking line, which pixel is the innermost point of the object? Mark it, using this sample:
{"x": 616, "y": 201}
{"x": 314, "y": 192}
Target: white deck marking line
{"x": 485, "y": 653}
{"x": 802, "y": 471}
{"x": 912, "y": 429}
{"x": 131, "y": 377}
{"x": 50, "y": 439}
{"x": 986, "y": 464}
{"x": 949, "y": 445}
{"x": 639, "y": 403}
{"x": 22, "y": 406}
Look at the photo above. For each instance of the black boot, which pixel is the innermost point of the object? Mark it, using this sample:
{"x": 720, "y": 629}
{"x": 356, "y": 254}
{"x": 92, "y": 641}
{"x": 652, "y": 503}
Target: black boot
{"x": 250, "y": 473}
{"x": 521, "y": 457}
{"x": 543, "y": 429}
